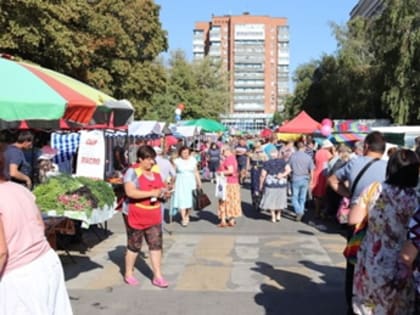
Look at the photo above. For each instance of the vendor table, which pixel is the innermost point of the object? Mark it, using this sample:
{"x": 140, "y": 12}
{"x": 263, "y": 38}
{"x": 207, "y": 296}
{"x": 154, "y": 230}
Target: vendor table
{"x": 61, "y": 225}
{"x": 64, "y": 223}
{"x": 98, "y": 216}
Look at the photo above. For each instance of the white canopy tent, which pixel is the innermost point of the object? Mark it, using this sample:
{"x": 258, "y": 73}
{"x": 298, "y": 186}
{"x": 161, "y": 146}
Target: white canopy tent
{"x": 185, "y": 131}
{"x": 144, "y": 128}
{"x": 407, "y": 133}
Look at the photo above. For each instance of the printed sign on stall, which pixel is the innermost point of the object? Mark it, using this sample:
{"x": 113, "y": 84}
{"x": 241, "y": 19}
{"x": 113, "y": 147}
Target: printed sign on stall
{"x": 91, "y": 156}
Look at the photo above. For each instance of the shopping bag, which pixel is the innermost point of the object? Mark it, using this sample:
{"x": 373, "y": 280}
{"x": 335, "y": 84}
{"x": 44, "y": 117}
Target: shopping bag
{"x": 354, "y": 242}
{"x": 200, "y": 199}
{"x": 205, "y": 173}
{"x": 221, "y": 183}
{"x": 343, "y": 211}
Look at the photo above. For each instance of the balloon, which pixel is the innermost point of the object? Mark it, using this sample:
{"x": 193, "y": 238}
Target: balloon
{"x": 327, "y": 122}
{"x": 178, "y": 111}
{"x": 181, "y": 106}
{"x": 326, "y": 130}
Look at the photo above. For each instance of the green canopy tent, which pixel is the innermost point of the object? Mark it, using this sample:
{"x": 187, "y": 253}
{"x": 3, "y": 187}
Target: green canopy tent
{"x": 206, "y": 124}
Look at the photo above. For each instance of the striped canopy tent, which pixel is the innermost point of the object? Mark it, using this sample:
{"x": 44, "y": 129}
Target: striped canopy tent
{"x": 32, "y": 96}
{"x": 349, "y": 130}
{"x": 42, "y": 97}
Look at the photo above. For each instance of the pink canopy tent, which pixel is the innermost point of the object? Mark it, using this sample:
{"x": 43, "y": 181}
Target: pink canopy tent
{"x": 302, "y": 123}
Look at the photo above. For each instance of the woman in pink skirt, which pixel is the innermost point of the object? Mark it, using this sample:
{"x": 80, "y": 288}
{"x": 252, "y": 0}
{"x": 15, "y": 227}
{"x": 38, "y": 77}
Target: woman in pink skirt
{"x": 230, "y": 208}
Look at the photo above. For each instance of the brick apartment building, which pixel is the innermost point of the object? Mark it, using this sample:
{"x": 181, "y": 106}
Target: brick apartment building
{"x": 255, "y": 51}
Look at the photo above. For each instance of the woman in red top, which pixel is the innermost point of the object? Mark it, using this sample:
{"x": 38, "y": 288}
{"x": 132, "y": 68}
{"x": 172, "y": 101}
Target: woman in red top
{"x": 145, "y": 216}
{"x": 230, "y": 208}
{"x": 319, "y": 180}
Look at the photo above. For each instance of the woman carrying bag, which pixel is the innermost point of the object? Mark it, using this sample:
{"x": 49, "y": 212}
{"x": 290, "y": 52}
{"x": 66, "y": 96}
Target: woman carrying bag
{"x": 229, "y": 208}
{"x": 273, "y": 185}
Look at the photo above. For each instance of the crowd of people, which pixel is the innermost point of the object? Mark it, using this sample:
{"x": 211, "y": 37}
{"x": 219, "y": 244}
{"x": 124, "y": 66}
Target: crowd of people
{"x": 381, "y": 197}
{"x": 380, "y": 190}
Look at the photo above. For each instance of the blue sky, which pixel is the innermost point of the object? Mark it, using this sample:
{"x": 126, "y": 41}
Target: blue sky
{"x": 310, "y": 33}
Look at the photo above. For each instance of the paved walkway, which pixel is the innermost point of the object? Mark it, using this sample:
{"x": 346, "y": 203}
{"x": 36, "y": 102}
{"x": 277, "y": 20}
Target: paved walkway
{"x": 258, "y": 267}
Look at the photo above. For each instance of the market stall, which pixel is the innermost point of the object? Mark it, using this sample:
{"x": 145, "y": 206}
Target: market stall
{"x": 62, "y": 108}
{"x": 146, "y": 129}
{"x": 80, "y": 198}
{"x": 302, "y": 123}
{"x": 113, "y": 114}
{"x": 206, "y": 124}
{"x": 188, "y": 132}
{"x": 58, "y": 225}
{"x": 349, "y": 130}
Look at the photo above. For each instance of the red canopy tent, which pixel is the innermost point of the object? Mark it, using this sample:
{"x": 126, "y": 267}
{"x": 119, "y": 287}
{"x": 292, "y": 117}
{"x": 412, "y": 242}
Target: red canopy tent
{"x": 302, "y": 123}
{"x": 266, "y": 133}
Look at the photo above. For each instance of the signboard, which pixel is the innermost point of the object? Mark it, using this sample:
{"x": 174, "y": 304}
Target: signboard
{"x": 91, "y": 155}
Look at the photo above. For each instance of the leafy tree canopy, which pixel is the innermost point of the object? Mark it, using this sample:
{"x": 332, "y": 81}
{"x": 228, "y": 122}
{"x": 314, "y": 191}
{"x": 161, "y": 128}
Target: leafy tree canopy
{"x": 200, "y": 85}
{"x": 109, "y": 44}
{"x": 375, "y": 72}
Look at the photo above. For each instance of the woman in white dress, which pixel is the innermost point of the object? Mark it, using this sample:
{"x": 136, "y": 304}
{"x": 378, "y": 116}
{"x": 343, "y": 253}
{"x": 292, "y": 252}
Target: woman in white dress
{"x": 187, "y": 179}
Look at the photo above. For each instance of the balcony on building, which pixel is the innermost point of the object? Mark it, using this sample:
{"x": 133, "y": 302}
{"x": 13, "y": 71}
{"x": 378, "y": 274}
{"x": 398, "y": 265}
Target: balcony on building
{"x": 198, "y": 55}
{"x": 248, "y": 67}
{"x": 248, "y": 75}
{"x": 248, "y": 83}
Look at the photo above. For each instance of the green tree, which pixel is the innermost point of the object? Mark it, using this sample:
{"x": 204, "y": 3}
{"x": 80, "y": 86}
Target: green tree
{"x": 322, "y": 90}
{"x": 303, "y": 79}
{"x": 200, "y": 85}
{"x": 109, "y": 44}
{"x": 343, "y": 85}
{"x": 277, "y": 118}
{"x": 212, "y": 94}
{"x": 396, "y": 44}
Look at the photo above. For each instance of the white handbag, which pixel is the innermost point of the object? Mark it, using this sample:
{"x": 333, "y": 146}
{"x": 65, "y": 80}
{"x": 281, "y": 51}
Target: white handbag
{"x": 221, "y": 183}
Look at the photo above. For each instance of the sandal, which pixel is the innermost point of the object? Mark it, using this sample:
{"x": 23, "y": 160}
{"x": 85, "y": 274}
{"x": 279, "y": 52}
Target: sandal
{"x": 131, "y": 281}
{"x": 160, "y": 283}
{"x": 222, "y": 225}
{"x": 231, "y": 223}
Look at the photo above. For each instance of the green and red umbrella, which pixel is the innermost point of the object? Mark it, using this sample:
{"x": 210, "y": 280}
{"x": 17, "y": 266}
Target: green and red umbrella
{"x": 42, "y": 97}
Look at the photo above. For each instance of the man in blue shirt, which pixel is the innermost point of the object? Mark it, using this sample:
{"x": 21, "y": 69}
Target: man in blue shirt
{"x": 16, "y": 168}
{"x": 302, "y": 167}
